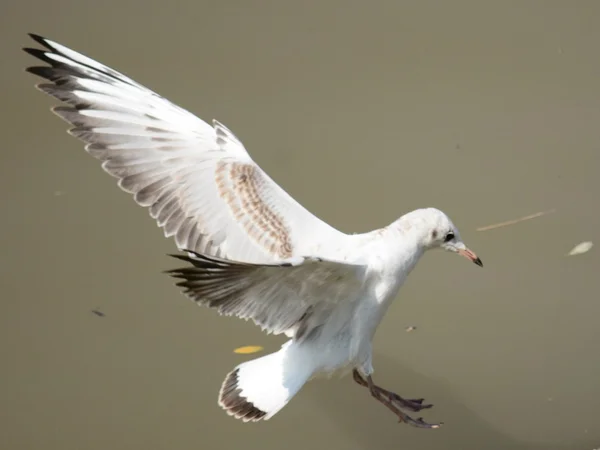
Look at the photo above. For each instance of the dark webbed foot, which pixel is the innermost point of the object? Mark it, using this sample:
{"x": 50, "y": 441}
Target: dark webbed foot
{"x": 415, "y": 405}
{"x": 394, "y": 402}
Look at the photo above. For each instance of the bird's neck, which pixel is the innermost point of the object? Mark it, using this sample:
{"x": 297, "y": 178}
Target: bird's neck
{"x": 404, "y": 249}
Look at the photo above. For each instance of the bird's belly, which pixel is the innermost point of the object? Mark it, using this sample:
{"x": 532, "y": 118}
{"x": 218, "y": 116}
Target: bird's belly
{"x": 340, "y": 364}
{"x": 345, "y": 340}
{"x": 338, "y": 353}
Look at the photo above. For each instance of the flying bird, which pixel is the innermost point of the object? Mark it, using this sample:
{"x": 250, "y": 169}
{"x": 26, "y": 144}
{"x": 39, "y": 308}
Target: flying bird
{"x": 252, "y": 250}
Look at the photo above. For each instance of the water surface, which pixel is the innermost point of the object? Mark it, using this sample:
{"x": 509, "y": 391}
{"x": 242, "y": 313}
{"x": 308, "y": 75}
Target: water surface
{"x": 362, "y": 111}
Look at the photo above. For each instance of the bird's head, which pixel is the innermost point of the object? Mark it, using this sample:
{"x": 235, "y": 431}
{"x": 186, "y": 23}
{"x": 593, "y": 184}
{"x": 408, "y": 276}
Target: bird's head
{"x": 436, "y": 230}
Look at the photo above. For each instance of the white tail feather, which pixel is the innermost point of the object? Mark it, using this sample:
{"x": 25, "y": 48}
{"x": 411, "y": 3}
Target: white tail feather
{"x": 257, "y": 389}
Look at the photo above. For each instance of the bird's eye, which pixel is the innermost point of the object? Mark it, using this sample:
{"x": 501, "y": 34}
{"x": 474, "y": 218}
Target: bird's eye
{"x": 449, "y": 237}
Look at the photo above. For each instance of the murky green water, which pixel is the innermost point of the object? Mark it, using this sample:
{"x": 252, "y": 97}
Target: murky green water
{"x": 362, "y": 111}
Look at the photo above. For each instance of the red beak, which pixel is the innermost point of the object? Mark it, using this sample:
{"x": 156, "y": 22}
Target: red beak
{"x": 471, "y": 255}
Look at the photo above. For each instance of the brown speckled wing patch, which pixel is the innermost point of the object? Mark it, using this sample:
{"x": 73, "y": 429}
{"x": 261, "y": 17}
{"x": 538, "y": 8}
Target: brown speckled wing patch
{"x": 240, "y": 184}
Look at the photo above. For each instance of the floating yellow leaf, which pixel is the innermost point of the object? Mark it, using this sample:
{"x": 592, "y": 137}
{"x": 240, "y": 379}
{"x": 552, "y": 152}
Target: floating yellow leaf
{"x": 248, "y": 349}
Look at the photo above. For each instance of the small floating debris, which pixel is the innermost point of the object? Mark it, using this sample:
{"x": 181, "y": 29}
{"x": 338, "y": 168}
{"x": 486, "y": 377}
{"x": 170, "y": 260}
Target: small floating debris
{"x": 581, "y": 248}
{"x": 98, "y": 313}
{"x": 248, "y": 349}
{"x": 410, "y": 328}
{"x": 514, "y": 221}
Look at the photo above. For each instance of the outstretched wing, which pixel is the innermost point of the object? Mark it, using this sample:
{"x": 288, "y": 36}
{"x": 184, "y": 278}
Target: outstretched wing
{"x": 197, "y": 180}
{"x": 296, "y": 296}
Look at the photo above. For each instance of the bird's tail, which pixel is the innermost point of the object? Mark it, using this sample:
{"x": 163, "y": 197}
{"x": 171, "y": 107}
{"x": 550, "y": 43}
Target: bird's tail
{"x": 257, "y": 389}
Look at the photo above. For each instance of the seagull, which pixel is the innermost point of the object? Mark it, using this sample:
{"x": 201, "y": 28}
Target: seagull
{"x": 252, "y": 251}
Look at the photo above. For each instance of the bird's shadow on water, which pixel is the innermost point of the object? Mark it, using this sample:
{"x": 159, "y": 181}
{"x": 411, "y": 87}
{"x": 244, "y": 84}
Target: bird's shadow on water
{"x": 368, "y": 422}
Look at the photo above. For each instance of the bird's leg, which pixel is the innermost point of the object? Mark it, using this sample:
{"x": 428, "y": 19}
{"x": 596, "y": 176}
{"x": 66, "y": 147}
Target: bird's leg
{"x": 394, "y": 402}
{"x": 411, "y": 404}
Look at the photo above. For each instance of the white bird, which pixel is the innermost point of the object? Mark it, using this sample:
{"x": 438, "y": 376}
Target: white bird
{"x": 255, "y": 252}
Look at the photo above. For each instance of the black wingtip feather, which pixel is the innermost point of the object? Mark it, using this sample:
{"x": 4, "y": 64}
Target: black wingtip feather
{"x": 40, "y": 40}
{"x": 201, "y": 260}
{"x": 38, "y": 53}
{"x": 185, "y": 258}
{"x": 41, "y": 71}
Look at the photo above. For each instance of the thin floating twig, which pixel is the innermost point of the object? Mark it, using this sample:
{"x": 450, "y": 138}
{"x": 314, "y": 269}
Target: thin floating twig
{"x": 514, "y": 221}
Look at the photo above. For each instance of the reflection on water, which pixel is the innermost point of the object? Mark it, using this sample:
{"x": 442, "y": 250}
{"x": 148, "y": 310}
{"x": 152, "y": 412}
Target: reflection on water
{"x": 360, "y": 417}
